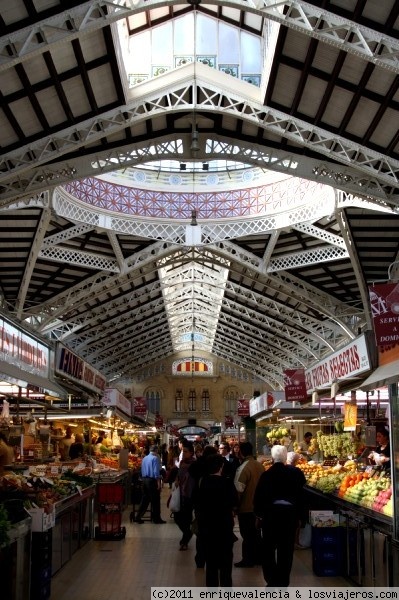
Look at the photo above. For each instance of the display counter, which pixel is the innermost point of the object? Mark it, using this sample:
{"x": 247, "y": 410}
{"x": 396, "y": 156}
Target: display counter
{"x": 15, "y": 561}
{"x": 74, "y": 525}
{"x": 368, "y": 549}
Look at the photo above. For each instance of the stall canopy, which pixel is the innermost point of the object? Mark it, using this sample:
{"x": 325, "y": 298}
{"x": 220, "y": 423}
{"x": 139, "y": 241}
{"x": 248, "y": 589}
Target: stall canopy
{"x": 26, "y": 378}
{"x": 383, "y": 375}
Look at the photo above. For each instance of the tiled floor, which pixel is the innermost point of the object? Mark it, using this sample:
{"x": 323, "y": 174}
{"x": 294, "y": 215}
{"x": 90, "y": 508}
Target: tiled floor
{"x": 149, "y": 556}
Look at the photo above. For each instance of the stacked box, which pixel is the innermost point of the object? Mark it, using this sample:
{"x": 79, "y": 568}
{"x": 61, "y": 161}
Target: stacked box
{"x": 327, "y": 551}
{"x": 40, "y": 586}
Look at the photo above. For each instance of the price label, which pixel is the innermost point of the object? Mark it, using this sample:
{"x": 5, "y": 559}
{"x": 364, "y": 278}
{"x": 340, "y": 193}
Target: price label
{"x": 54, "y": 470}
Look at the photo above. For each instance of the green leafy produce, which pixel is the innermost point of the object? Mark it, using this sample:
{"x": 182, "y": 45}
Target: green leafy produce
{"x": 82, "y": 480}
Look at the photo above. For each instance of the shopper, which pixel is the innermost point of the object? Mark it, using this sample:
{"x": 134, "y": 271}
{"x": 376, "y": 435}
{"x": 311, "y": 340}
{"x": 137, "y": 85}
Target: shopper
{"x": 152, "y": 479}
{"x": 279, "y": 506}
{"x": 229, "y": 468}
{"x": 186, "y": 483}
{"x": 76, "y": 449}
{"x": 217, "y": 500}
{"x": 65, "y": 444}
{"x": 237, "y": 458}
{"x": 246, "y": 480}
{"x": 7, "y": 455}
{"x": 199, "y": 469}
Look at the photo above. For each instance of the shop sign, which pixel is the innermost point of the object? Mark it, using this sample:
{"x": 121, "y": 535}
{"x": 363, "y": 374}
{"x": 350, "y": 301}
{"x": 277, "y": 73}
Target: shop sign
{"x": 113, "y": 397}
{"x": 348, "y": 362}
{"x": 243, "y": 407}
{"x": 350, "y": 416}
{"x": 23, "y": 351}
{"x": 140, "y": 406}
{"x": 158, "y": 421}
{"x": 295, "y": 385}
{"x": 384, "y": 300}
{"x": 76, "y": 369}
{"x": 228, "y": 422}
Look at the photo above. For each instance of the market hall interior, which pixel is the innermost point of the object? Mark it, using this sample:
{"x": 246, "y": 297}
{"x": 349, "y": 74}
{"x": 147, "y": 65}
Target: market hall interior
{"x": 149, "y": 556}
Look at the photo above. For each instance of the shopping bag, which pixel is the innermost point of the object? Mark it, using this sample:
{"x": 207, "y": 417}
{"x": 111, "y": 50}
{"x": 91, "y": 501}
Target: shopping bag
{"x": 305, "y": 536}
{"x": 174, "y": 499}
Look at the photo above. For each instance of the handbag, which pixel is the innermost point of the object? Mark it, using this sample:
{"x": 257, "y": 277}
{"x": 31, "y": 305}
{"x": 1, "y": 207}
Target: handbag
{"x": 174, "y": 499}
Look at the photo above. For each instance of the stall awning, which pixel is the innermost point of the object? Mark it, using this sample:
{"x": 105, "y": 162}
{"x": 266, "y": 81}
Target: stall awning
{"x": 18, "y": 374}
{"x": 383, "y": 375}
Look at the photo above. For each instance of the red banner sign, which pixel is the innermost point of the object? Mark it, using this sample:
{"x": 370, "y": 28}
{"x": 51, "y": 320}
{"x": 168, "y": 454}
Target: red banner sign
{"x": 243, "y": 407}
{"x": 384, "y": 300}
{"x": 140, "y": 406}
{"x": 228, "y": 422}
{"x": 158, "y": 421}
{"x": 295, "y": 385}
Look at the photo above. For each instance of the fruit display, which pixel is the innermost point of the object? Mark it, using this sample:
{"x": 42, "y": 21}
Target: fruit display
{"x": 43, "y": 491}
{"x": 277, "y": 433}
{"x": 372, "y": 491}
{"x": 329, "y": 483}
{"x": 340, "y": 445}
{"x": 112, "y": 461}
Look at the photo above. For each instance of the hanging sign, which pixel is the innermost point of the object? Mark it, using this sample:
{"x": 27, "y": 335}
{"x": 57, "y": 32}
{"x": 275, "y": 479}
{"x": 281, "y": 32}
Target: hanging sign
{"x": 295, "y": 385}
{"x": 23, "y": 351}
{"x": 350, "y": 416}
{"x": 158, "y": 421}
{"x": 140, "y": 406}
{"x": 349, "y": 361}
{"x": 228, "y": 422}
{"x": 384, "y": 300}
{"x": 243, "y": 407}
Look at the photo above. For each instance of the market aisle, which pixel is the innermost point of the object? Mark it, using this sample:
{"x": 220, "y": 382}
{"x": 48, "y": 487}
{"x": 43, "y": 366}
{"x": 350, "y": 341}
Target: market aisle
{"x": 148, "y": 556}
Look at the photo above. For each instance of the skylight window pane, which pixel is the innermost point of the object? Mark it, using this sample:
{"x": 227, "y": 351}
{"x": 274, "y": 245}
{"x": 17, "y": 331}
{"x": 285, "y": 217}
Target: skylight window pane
{"x": 251, "y": 53}
{"x": 207, "y": 38}
{"x": 184, "y": 35}
{"x": 140, "y": 53}
{"x": 161, "y": 46}
{"x": 229, "y": 45}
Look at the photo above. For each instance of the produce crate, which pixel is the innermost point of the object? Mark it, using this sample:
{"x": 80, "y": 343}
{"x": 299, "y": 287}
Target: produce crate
{"x": 327, "y": 551}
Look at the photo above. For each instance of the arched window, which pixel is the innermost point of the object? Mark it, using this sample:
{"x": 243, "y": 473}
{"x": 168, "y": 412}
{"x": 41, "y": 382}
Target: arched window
{"x": 231, "y": 396}
{"x": 179, "y": 401}
{"x": 192, "y": 399}
{"x": 205, "y": 401}
{"x": 153, "y": 401}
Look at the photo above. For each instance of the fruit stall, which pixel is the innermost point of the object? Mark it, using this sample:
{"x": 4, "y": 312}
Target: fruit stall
{"x": 57, "y": 502}
{"x": 362, "y": 499}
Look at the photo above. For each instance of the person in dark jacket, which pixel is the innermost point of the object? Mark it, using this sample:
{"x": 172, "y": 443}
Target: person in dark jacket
{"x": 198, "y": 469}
{"x": 76, "y": 449}
{"x": 279, "y": 506}
{"x": 216, "y": 502}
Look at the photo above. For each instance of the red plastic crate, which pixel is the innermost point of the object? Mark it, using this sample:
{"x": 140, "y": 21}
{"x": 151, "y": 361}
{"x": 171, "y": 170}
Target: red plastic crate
{"x": 109, "y": 522}
{"x": 110, "y": 493}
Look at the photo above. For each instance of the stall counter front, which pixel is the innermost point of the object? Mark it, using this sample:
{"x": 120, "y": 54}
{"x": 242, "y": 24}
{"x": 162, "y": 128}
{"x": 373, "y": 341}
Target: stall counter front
{"x": 367, "y": 545}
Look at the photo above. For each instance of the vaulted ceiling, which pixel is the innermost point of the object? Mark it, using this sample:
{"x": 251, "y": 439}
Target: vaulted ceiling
{"x": 262, "y": 290}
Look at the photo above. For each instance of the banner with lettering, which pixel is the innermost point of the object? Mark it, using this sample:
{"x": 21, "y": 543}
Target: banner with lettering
{"x": 350, "y": 361}
{"x": 295, "y": 385}
{"x": 140, "y": 406}
{"x": 158, "y": 421}
{"x": 243, "y": 407}
{"x": 23, "y": 351}
{"x": 384, "y": 300}
{"x": 74, "y": 368}
{"x": 228, "y": 422}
